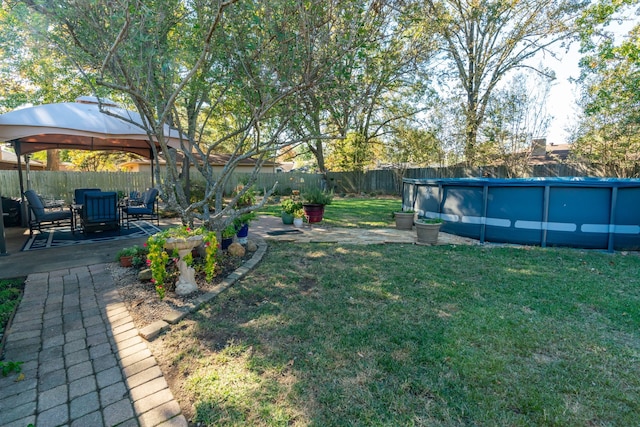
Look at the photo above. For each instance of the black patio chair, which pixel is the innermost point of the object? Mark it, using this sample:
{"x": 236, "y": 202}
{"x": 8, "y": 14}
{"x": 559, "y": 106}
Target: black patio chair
{"x": 135, "y": 199}
{"x": 78, "y": 194}
{"x": 40, "y": 217}
{"x": 148, "y": 210}
{"x": 78, "y": 202}
{"x": 100, "y": 211}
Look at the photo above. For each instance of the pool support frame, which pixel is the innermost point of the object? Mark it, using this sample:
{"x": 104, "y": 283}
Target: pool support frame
{"x": 592, "y": 213}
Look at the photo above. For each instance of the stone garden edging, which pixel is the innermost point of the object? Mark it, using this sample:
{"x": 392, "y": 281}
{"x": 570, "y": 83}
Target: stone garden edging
{"x": 153, "y": 330}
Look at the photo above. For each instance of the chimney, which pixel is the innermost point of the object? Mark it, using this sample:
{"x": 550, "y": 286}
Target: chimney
{"x": 539, "y": 147}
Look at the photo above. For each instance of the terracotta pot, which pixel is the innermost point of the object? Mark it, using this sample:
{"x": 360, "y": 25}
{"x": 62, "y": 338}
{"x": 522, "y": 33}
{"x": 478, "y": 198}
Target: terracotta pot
{"x": 313, "y": 212}
{"x": 126, "y": 261}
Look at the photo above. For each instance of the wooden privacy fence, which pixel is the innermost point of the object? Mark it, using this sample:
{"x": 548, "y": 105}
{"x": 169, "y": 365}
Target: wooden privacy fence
{"x": 60, "y": 185}
{"x": 265, "y": 181}
{"x": 389, "y": 181}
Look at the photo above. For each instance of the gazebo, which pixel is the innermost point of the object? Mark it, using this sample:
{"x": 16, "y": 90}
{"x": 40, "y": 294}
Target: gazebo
{"x": 89, "y": 123}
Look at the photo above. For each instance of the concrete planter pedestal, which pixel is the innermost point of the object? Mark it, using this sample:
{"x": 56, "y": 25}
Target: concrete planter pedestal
{"x": 187, "y": 281}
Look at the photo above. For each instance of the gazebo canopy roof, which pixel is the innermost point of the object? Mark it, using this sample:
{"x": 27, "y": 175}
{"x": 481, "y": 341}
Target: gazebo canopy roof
{"x": 79, "y": 125}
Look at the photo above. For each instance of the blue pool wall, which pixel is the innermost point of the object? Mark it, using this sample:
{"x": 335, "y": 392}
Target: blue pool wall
{"x": 592, "y": 213}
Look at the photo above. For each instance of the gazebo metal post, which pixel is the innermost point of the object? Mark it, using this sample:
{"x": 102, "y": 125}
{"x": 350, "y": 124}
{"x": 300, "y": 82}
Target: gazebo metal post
{"x": 23, "y": 204}
{"x": 3, "y": 241}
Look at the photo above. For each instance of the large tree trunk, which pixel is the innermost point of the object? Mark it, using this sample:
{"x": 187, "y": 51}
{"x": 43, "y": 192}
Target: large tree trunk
{"x": 53, "y": 160}
{"x": 471, "y": 139}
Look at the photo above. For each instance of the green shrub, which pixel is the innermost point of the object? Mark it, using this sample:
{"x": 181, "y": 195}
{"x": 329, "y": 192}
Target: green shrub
{"x": 290, "y": 206}
{"x": 137, "y": 253}
{"x": 316, "y": 196}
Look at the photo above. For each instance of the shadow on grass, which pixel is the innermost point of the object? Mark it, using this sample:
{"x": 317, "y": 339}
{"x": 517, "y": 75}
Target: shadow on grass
{"x": 402, "y": 335}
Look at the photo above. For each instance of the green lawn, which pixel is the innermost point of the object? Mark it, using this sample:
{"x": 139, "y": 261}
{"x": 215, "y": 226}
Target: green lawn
{"x": 388, "y": 335}
{"x": 353, "y": 212}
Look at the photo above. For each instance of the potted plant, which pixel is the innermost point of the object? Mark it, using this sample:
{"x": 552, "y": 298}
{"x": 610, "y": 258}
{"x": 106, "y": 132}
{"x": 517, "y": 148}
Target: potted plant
{"x": 314, "y": 201}
{"x": 298, "y": 216}
{"x": 125, "y": 256}
{"x": 427, "y": 230}
{"x": 247, "y": 199}
{"x": 404, "y": 219}
{"x": 227, "y": 236}
{"x": 139, "y": 258}
{"x": 242, "y": 226}
{"x": 132, "y": 256}
{"x": 289, "y": 207}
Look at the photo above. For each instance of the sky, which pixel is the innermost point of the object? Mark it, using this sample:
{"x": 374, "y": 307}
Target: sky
{"x": 563, "y": 96}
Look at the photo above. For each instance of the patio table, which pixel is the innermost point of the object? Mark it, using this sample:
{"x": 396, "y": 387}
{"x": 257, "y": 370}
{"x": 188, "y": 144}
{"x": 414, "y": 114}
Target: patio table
{"x": 54, "y": 204}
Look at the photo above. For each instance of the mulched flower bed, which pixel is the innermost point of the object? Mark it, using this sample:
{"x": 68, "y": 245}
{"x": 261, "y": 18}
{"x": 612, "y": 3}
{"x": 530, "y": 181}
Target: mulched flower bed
{"x": 143, "y": 302}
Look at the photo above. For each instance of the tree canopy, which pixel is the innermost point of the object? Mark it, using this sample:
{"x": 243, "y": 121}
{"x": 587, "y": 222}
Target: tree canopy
{"x": 609, "y": 132}
{"x": 483, "y": 41}
{"x": 246, "y": 65}
{"x": 353, "y": 82}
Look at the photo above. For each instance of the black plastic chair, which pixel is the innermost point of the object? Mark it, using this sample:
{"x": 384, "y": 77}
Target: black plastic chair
{"x": 42, "y": 218}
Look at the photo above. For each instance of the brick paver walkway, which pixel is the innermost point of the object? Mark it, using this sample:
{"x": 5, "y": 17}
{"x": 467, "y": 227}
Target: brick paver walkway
{"x": 84, "y": 362}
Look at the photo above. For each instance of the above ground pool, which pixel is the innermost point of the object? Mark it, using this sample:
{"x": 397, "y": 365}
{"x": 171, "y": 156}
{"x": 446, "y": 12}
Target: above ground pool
{"x": 593, "y": 213}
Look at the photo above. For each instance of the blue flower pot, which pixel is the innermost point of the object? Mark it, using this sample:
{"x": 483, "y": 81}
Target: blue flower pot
{"x": 242, "y": 234}
{"x": 287, "y": 218}
{"x": 226, "y": 242}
